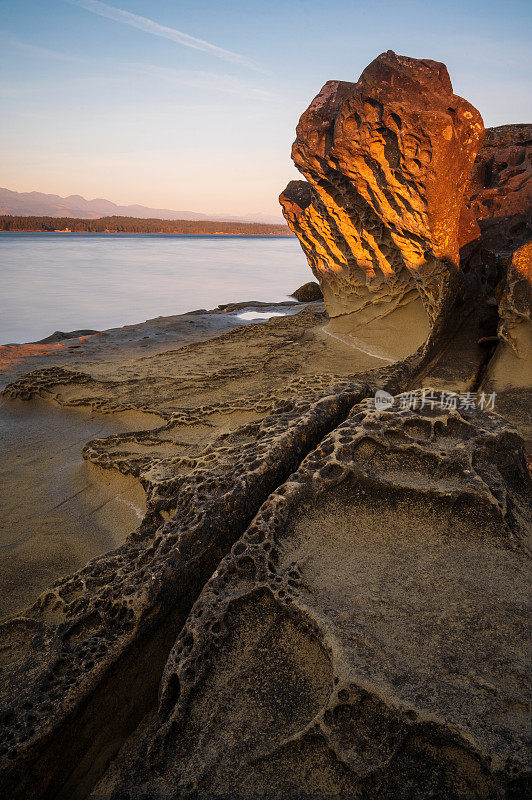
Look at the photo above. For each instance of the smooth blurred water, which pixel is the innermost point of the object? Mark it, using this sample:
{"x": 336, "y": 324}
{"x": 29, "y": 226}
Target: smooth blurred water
{"x": 67, "y": 281}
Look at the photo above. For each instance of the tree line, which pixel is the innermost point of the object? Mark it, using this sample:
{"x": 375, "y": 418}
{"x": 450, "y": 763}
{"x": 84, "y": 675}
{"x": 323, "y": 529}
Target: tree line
{"x": 134, "y": 225}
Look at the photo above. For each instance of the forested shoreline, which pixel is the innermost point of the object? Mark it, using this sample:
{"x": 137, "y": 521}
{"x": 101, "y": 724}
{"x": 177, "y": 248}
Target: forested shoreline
{"x": 135, "y": 225}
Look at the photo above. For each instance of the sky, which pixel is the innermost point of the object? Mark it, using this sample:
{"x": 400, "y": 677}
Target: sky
{"x": 193, "y": 105}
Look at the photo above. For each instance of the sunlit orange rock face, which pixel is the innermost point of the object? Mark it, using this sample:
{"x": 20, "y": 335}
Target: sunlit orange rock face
{"x": 387, "y": 160}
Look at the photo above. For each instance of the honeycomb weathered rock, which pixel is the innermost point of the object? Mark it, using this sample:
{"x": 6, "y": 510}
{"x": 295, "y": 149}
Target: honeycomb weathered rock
{"x": 367, "y": 636}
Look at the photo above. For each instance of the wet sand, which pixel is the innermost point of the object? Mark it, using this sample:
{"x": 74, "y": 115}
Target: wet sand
{"x": 59, "y": 511}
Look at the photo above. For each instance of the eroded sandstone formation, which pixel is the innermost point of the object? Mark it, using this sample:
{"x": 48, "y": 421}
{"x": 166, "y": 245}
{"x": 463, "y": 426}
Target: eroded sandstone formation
{"x": 340, "y": 649}
{"x": 387, "y": 160}
{"x": 120, "y": 614}
{"x": 323, "y": 599}
{"x": 500, "y": 191}
{"x": 89, "y": 653}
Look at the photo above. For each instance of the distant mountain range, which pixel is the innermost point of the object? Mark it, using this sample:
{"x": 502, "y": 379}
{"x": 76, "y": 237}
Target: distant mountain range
{"x": 38, "y": 204}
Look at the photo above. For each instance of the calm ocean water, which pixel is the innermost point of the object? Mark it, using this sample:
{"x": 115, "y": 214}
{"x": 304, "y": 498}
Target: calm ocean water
{"x": 58, "y": 281}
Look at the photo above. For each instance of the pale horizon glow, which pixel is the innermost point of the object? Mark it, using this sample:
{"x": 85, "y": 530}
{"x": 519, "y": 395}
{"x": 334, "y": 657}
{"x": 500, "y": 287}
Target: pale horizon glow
{"x": 193, "y": 107}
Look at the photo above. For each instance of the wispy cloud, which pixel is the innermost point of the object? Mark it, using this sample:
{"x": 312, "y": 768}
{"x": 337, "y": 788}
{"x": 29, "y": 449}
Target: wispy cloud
{"x": 150, "y": 26}
{"x": 198, "y": 79}
{"x": 39, "y": 52}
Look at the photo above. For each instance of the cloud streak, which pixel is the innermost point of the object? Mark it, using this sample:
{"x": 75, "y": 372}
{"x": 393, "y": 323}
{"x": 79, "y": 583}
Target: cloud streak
{"x": 150, "y": 26}
{"x": 39, "y": 52}
{"x": 198, "y": 79}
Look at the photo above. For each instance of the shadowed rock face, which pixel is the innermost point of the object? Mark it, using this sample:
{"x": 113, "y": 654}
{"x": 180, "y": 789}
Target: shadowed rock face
{"x": 500, "y": 191}
{"x": 387, "y": 160}
{"x": 500, "y": 196}
{"x": 510, "y": 369}
{"x": 514, "y": 307}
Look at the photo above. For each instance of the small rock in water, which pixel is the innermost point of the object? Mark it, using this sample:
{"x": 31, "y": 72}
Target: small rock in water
{"x": 308, "y": 292}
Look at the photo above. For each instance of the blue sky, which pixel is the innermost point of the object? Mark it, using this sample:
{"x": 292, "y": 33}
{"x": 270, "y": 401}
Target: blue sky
{"x": 193, "y": 105}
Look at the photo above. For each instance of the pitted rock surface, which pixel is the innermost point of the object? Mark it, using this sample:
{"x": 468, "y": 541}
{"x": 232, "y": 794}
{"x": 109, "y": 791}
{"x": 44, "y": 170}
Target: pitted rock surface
{"x": 83, "y": 663}
{"x": 59, "y": 654}
{"x": 500, "y": 192}
{"x": 256, "y": 361}
{"x": 387, "y": 159}
{"x": 367, "y": 635}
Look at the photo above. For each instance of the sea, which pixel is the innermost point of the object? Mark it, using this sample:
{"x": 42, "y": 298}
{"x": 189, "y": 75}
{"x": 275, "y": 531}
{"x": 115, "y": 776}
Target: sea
{"x": 71, "y": 281}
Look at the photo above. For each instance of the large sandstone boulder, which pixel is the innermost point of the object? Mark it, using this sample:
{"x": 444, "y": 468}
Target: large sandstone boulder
{"x": 387, "y": 160}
